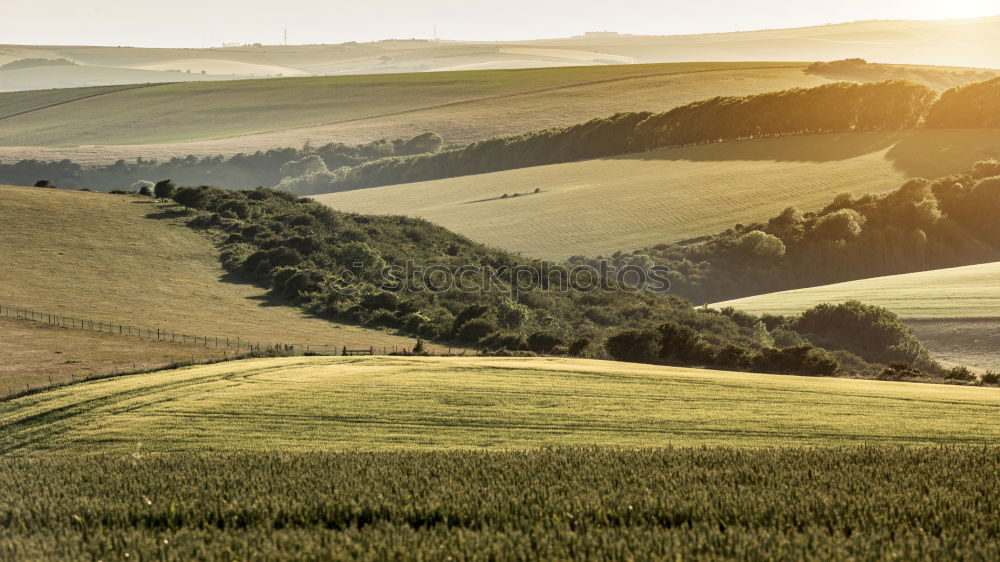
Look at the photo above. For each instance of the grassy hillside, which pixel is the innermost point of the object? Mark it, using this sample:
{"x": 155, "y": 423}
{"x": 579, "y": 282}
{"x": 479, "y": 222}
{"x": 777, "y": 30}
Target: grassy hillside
{"x": 955, "y": 312}
{"x": 38, "y": 355}
{"x": 125, "y": 260}
{"x": 335, "y": 403}
{"x": 639, "y": 200}
{"x": 250, "y": 115}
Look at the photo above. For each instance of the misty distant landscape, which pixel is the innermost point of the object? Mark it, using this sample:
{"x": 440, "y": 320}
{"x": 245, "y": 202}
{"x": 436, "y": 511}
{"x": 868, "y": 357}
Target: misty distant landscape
{"x": 704, "y": 288}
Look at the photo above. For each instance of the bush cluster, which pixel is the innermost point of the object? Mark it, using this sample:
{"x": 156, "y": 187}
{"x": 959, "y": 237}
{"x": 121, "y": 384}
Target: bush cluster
{"x": 331, "y": 263}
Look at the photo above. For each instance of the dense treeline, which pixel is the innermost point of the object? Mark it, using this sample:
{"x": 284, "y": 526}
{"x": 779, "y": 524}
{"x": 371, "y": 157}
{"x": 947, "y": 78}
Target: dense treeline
{"x": 922, "y": 225}
{"x": 857, "y": 503}
{"x": 829, "y": 108}
{"x": 333, "y": 264}
{"x": 973, "y": 105}
{"x": 265, "y": 168}
{"x": 864, "y": 71}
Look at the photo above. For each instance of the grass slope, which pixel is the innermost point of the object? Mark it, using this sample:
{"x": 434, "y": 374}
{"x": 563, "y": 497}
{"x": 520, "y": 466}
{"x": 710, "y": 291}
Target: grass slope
{"x": 461, "y": 106}
{"x": 106, "y": 258}
{"x": 33, "y": 354}
{"x": 955, "y": 312}
{"x": 338, "y": 403}
{"x": 633, "y": 201}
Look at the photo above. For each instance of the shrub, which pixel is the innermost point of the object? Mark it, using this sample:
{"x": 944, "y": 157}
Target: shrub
{"x": 145, "y": 191}
{"x": 476, "y": 329}
{"x": 164, "y": 189}
{"x": 510, "y": 341}
{"x": 633, "y": 345}
{"x": 991, "y": 377}
{"x": 192, "y": 197}
{"x": 677, "y": 342}
{"x": 845, "y": 224}
{"x": 760, "y": 245}
{"x": 960, "y": 373}
{"x": 580, "y": 347}
{"x": 44, "y": 183}
{"x": 872, "y": 332}
{"x": 543, "y": 342}
{"x": 898, "y": 371}
{"x": 802, "y": 359}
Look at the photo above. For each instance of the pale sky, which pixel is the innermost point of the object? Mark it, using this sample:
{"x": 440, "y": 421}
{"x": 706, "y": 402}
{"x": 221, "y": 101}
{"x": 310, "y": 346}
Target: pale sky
{"x": 197, "y": 23}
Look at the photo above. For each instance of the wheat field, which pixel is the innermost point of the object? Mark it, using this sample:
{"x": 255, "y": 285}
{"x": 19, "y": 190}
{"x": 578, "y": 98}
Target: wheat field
{"x": 387, "y": 403}
{"x": 208, "y": 118}
{"x": 639, "y": 200}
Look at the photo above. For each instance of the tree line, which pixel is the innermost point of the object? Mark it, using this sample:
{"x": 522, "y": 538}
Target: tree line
{"x": 265, "y": 168}
{"x": 922, "y": 225}
{"x": 839, "y": 107}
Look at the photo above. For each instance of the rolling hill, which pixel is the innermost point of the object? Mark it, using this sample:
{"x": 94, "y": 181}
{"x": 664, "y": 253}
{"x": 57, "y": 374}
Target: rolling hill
{"x": 948, "y": 43}
{"x": 210, "y": 118}
{"x": 338, "y": 404}
{"x": 639, "y": 200}
{"x": 131, "y": 261}
{"x": 955, "y": 312}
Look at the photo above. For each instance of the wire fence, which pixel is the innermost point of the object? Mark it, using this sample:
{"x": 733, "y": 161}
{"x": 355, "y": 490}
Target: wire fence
{"x": 239, "y": 345}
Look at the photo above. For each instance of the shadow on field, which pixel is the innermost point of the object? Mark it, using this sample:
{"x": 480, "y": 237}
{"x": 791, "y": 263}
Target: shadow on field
{"x": 919, "y": 152}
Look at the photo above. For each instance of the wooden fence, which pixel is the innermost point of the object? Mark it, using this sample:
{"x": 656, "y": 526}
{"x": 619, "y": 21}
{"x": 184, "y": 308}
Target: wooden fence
{"x": 159, "y": 334}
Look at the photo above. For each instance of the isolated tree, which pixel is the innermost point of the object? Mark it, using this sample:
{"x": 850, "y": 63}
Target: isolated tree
{"x": 145, "y": 191}
{"x": 164, "y": 189}
{"x": 44, "y": 183}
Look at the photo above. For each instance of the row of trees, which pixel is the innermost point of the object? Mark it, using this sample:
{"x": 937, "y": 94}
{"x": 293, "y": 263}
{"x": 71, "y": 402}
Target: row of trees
{"x": 240, "y": 170}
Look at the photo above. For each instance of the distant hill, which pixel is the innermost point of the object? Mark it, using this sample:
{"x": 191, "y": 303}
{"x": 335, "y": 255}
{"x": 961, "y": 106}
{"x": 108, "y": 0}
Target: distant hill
{"x": 36, "y": 63}
{"x": 972, "y": 42}
{"x": 210, "y": 118}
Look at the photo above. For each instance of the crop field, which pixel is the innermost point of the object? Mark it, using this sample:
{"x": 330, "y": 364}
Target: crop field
{"x": 821, "y": 504}
{"x": 130, "y": 261}
{"x": 386, "y": 403}
{"x": 35, "y": 355}
{"x": 250, "y": 115}
{"x": 955, "y": 312}
{"x": 17, "y": 103}
{"x": 639, "y": 200}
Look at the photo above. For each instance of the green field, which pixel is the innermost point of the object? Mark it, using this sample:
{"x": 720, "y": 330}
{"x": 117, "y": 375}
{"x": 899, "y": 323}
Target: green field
{"x": 870, "y": 503}
{"x": 384, "y": 403}
{"x": 16, "y": 103}
{"x": 955, "y": 312}
{"x": 639, "y": 200}
{"x": 131, "y": 261}
{"x": 461, "y": 106}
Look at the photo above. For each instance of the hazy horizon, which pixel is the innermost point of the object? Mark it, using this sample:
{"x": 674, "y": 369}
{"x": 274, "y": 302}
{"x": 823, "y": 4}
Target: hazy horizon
{"x": 189, "y": 24}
